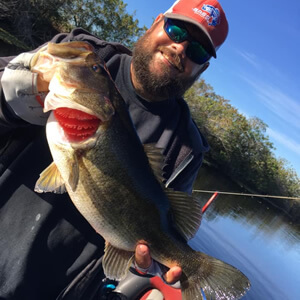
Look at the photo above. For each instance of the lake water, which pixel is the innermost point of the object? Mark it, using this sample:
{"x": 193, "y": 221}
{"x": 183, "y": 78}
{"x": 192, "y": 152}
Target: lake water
{"x": 255, "y": 237}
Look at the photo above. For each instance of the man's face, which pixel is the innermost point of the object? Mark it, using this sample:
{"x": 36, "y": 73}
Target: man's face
{"x": 161, "y": 65}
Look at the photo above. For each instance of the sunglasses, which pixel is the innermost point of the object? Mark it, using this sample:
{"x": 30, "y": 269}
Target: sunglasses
{"x": 177, "y": 32}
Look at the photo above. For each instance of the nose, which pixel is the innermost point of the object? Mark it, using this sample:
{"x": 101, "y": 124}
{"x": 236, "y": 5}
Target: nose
{"x": 180, "y": 48}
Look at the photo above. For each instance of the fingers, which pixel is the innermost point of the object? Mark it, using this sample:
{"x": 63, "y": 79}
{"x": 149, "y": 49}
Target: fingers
{"x": 173, "y": 275}
{"x": 143, "y": 260}
{"x": 142, "y": 256}
{"x": 42, "y": 86}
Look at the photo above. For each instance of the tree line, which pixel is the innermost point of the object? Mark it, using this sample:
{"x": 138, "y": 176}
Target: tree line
{"x": 239, "y": 146}
{"x": 31, "y": 23}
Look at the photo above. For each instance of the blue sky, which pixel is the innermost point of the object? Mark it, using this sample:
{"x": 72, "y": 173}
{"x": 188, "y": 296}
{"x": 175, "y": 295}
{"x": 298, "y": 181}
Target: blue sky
{"x": 257, "y": 68}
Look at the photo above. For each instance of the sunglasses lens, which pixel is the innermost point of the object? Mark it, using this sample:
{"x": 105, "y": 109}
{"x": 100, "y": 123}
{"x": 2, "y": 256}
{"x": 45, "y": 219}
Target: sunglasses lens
{"x": 197, "y": 53}
{"x": 178, "y": 34}
{"x": 175, "y": 33}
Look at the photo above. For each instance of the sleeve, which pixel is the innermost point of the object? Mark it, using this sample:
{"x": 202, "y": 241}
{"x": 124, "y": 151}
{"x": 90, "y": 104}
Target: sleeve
{"x": 8, "y": 119}
{"x": 21, "y": 103}
{"x": 20, "y": 99}
{"x": 189, "y": 157}
{"x": 185, "y": 181}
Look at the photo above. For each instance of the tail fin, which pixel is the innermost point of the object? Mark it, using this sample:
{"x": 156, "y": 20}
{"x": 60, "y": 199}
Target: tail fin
{"x": 214, "y": 279}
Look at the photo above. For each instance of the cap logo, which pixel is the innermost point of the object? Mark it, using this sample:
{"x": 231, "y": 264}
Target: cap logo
{"x": 210, "y": 13}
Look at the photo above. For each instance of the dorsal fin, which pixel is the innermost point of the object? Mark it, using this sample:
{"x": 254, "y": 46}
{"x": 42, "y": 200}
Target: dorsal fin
{"x": 186, "y": 211}
{"x": 156, "y": 160}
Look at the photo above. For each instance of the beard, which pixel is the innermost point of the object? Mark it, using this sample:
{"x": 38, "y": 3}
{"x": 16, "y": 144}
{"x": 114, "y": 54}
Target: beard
{"x": 163, "y": 85}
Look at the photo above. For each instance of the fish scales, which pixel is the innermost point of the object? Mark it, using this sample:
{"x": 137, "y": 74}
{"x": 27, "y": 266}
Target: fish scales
{"x": 121, "y": 195}
{"x": 110, "y": 179}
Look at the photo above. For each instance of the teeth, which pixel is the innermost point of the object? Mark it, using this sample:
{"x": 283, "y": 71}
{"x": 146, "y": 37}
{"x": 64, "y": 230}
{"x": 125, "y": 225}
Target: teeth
{"x": 170, "y": 61}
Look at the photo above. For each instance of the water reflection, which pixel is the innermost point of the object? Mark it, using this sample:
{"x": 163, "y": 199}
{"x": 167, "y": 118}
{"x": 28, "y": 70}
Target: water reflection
{"x": 252, "y": 235}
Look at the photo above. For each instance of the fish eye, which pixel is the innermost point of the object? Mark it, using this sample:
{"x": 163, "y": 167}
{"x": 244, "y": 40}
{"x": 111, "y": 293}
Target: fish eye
{"x": 96, "y": 68}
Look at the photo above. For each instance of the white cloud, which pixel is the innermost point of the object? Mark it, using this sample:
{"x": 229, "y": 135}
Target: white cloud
{"x": 249, "y": 57}
{"x": 285, "y": 107}
{"x": 284, "y": 140}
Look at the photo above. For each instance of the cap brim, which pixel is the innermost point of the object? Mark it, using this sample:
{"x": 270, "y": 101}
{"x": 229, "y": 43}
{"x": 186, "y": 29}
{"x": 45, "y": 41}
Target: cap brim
{"x": 210, "y": 44}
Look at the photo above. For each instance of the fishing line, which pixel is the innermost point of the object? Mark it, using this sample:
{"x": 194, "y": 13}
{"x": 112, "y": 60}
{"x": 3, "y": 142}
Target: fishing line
{"x": 247, "y": 195}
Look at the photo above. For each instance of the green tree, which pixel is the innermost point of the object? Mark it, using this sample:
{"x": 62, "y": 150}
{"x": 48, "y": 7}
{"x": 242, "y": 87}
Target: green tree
{"x": 30, "y": 21}
{"x": 34, "y": 22}
{"x": 239, "y": 145}
{"x": 108, "y": 19}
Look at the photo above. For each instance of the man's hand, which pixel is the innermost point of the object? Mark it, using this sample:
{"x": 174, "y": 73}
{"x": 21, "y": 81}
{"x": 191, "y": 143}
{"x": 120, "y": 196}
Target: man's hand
{"x": 143, "y": 260}
{"x": 42, "y": 85}
{"x": 24, "y": 90}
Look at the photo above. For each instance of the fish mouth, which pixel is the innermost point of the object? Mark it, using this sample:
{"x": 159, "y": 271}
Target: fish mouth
{"x": 77, "y": 125}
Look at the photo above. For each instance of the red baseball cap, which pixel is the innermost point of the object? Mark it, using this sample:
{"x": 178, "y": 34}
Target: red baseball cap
{"x": 208, "y": 15}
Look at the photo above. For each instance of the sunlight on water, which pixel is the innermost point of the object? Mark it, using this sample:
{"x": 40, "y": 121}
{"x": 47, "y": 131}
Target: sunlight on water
{"x": 253, "y": 235}
{"x": 256, "y": 239}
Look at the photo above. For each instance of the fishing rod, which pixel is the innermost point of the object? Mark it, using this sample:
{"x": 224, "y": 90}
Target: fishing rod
{"x": 248, "y": 195}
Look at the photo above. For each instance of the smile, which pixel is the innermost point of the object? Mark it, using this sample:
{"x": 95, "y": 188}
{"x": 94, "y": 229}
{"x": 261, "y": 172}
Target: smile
{"x": 172, "y": 62}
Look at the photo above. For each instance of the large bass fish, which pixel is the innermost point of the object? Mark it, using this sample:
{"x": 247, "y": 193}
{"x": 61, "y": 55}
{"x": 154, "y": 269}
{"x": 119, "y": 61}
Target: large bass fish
{"x": 115, "y": 182}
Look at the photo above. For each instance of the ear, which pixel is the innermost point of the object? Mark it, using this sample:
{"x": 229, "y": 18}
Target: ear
{"x": 158, "y": 18}
{"x": 204, "y": 67}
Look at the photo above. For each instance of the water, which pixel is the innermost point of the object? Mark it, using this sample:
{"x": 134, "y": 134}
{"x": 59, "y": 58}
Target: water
{"x": 255, "y": 237}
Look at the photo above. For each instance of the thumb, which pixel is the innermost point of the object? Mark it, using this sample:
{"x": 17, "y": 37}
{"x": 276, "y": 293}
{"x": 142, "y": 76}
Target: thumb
{"x": 142, "y": 256}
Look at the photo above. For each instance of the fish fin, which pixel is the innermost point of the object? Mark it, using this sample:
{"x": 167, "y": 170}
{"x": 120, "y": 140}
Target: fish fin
{"x": 186, "y": 211}
{"x": 50, "y": 181}
{"x": 116, "y": 262}
{"x": 215, "y": 279}
{"x": 156, "y": 160}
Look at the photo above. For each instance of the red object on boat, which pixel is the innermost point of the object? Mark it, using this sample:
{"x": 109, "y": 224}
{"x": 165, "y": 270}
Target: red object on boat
{"x": 211, "y": 199}
{"x": 168, "y": 291}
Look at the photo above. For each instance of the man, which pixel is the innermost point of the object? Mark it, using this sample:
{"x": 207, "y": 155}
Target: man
{"x": 45, "y": 244}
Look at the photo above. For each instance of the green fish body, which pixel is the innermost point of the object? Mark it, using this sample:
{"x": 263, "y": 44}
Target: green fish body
{"x": 115, "y": 181}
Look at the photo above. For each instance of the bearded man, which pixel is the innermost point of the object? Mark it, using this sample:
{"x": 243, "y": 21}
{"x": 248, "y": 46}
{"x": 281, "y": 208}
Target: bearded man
{"x": 47, "y": 249}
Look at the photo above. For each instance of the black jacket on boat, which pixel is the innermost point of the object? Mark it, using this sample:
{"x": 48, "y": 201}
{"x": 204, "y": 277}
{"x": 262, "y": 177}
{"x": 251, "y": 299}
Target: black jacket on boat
{"x": 44, "y": 241}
